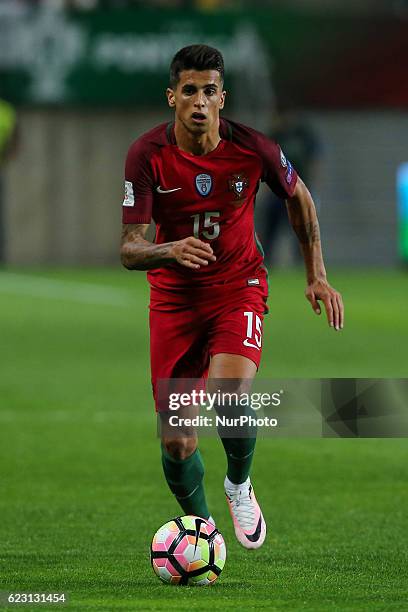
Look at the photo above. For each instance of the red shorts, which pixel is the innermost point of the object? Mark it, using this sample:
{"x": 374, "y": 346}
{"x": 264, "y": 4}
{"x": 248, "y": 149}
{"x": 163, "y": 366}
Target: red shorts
{"x": 188, "y": 328}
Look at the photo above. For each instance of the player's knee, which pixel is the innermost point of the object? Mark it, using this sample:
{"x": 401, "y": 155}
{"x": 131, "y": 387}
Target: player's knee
{"x": 231, "y": 387}
{"x": 180, "y": 448}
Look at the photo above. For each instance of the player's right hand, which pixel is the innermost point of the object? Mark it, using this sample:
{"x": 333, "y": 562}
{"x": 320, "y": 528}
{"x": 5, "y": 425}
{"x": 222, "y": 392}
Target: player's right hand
{"x": 192, "y": 253}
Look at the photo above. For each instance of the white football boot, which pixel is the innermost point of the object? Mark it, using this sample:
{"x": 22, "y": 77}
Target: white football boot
{"x": 249, "y": 524}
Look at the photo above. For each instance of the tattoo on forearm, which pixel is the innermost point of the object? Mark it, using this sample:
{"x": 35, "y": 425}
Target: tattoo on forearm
{"x": 149, "y": 256}
{"x": 307, "y": 233}
{"x": 137, "y": 253}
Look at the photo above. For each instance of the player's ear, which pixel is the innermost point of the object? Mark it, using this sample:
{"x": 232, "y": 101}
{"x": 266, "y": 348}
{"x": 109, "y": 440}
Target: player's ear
{"x": 171, "y": 98}
{"x": 222, "y": 99}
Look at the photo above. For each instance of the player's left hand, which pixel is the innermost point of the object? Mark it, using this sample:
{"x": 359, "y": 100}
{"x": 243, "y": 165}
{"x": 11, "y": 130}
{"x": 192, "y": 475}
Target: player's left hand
{"x": 332, "y": 300}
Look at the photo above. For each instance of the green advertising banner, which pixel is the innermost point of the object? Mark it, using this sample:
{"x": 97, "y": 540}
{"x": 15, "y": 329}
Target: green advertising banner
{"x": 112, "y": 57}
{"x": 121, "y": 57}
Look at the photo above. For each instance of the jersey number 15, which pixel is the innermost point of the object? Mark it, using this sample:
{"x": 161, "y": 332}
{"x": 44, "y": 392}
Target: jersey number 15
{"x": 206, "y": 227}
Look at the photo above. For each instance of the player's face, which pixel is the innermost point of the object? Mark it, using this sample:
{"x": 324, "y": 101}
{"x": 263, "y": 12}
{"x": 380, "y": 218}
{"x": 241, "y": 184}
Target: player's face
{"x": 197, "y": 99}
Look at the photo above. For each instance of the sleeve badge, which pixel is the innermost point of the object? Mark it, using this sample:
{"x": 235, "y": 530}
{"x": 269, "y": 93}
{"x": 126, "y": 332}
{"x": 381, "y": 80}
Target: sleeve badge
{"x": 129, "y": 199}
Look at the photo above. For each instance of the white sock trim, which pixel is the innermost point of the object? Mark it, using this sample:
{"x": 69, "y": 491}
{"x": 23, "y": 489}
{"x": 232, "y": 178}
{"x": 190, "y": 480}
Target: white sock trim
{"x": 231, "y": 486}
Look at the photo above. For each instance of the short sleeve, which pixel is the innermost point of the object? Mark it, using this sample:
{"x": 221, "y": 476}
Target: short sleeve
{"x": 138, "y": 200}
{"x": 278, "y": 172}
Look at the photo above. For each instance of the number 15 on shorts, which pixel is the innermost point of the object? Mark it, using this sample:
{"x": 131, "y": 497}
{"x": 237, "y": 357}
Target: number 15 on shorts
{"x": 253, "y": 331}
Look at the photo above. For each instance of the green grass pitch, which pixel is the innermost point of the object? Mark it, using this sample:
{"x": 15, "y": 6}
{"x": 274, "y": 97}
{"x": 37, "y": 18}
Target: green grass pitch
{"x": 82, "y": 490}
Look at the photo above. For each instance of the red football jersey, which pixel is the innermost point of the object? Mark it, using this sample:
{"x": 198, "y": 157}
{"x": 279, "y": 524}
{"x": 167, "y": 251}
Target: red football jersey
{"x": 211, "y": 197}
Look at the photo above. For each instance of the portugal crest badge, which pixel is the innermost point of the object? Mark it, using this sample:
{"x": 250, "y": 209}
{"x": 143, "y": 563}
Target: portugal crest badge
{"x": 238, "y": 183}
{"x": 203, "y": 184}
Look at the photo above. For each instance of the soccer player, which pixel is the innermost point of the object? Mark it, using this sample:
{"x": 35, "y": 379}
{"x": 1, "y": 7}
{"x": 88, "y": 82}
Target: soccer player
{"x": 197, "y": 178}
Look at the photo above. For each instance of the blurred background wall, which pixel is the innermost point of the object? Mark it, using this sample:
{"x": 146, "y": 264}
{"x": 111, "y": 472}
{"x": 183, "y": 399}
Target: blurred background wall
{"x": 86, "y": 78}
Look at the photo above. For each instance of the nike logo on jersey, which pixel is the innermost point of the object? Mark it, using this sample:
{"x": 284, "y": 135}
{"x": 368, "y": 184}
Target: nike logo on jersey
{"x": 160, "y": 190}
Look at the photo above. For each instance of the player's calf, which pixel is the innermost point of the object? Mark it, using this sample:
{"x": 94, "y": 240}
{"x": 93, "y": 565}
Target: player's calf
{"x": 184, "y": 471}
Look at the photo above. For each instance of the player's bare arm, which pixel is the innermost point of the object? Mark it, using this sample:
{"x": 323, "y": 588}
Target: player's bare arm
{"x": 303, "y": 218}
{"x": 137, "y": 253}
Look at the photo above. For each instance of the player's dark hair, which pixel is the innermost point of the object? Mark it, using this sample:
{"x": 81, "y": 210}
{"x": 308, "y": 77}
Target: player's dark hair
{"x": 195, "y": 57}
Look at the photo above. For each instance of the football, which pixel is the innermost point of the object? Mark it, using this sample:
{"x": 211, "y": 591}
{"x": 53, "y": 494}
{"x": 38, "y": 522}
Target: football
{"x": 188, "y": 550}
